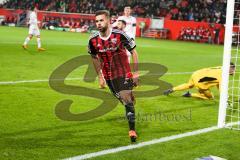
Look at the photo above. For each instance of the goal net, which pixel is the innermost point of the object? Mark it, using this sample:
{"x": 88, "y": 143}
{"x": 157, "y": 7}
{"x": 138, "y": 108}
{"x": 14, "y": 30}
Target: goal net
{"x": 229, "y": 108}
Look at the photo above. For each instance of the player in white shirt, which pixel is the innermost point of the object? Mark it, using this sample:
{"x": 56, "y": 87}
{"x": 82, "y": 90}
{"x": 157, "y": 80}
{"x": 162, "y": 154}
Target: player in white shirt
{"x": 130, "y": 28}
{"x": 33, "y": 30}
{"x": 131, "y": 22}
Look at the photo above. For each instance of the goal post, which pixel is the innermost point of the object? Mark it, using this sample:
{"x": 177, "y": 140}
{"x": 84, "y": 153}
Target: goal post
{"x": 229, "y": 108}
{"x": 226, "y": 63}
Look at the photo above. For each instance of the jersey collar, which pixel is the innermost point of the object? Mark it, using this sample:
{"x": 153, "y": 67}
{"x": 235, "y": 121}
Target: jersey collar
{"x": 105, "y": 38}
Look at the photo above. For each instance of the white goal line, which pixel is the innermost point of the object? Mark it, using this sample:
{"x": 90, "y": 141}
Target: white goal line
{"x": 70, "y": 79}
{"x": 147, "y": 143}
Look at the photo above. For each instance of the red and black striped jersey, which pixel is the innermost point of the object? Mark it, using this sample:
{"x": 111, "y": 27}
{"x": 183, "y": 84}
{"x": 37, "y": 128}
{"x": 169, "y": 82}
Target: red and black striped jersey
{"x": 112, "y": 53}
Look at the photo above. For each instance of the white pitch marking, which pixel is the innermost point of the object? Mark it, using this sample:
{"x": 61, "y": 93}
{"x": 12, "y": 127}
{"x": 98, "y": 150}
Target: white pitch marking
{"x": 70, "y": 79}
{"x": 147, "y": 143}
{"x": 33, "y": 81}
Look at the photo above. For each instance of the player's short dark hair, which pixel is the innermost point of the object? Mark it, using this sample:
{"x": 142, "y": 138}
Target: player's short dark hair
{"x": 124, "y": 22}
{"x": 232, "y": 65}
{"x": 103, "y": 12}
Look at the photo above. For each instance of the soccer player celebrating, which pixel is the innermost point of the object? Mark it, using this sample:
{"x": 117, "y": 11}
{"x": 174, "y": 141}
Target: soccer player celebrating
{"x": 130, "y": 28}
{"x": 108, "y": 50}
{"x": 203, "y": 80}
{"x": 121, "y": 25}
{"x": 33, "y": 30}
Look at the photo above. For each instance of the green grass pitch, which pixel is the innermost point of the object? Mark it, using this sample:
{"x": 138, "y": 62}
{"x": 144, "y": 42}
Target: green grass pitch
{"x": 29, "y": 128}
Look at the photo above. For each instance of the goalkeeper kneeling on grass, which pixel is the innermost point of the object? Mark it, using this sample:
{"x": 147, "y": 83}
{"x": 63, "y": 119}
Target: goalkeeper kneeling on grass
{"x": 203, "y": 80}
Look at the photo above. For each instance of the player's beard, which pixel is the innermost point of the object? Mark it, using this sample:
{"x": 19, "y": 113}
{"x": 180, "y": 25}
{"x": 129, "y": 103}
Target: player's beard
{"x": 103, "y": 29}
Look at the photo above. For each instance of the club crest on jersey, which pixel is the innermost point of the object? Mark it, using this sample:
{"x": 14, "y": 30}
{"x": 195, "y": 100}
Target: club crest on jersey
{"x": 114, "y": 40}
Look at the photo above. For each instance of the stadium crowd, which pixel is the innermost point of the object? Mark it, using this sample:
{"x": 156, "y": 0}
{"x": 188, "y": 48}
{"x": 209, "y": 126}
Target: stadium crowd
{"x": 212, "y": 11}
{"x": 19, "y": 4}
{"x": 9, "y": 20}
{"x": 72, "y": 23}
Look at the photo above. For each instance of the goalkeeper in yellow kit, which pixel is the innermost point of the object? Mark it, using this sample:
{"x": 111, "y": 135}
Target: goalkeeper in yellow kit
{"x": 203, "y": 80}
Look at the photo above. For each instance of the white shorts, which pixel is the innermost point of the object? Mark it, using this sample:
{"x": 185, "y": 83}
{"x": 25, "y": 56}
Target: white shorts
{"x": 33, "y": 30}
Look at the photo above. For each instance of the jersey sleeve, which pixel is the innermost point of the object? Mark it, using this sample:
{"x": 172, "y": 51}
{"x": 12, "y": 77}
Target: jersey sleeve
{"x": 91, "y": 49}
{"x": 128, "y": 42}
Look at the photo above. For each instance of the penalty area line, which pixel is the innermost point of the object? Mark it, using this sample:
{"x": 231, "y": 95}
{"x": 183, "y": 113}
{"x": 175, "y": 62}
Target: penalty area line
{"x": 147, "y": 143}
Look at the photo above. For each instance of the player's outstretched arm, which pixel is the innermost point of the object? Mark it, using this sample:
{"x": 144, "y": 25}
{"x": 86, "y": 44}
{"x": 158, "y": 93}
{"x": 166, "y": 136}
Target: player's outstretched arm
{"x": 97, "y": 66}
{"x": 135, "y": 67}
{"x": 39, "y": 25}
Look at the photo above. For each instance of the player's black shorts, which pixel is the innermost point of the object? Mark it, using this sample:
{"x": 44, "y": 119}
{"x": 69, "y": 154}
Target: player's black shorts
{"x": 120, "y": 84}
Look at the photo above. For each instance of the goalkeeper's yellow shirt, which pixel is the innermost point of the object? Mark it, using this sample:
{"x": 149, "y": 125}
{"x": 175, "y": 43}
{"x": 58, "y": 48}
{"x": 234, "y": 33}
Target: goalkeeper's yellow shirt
{"x": 207, "y": 78}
